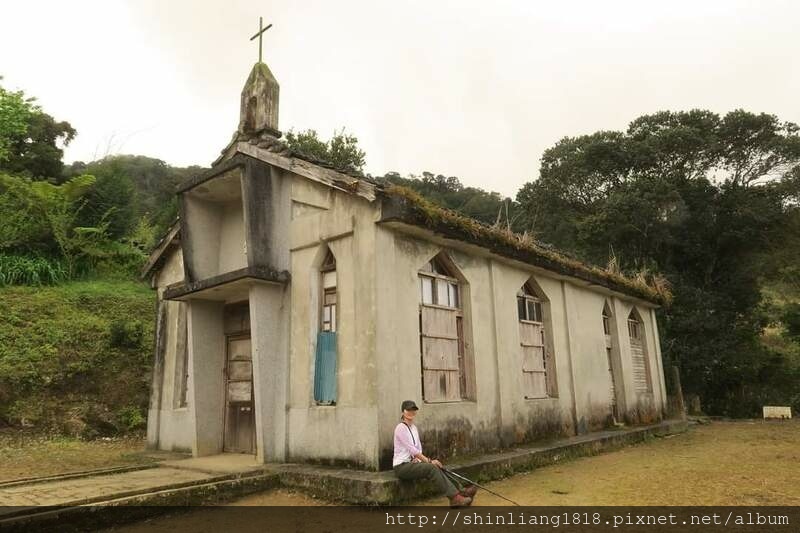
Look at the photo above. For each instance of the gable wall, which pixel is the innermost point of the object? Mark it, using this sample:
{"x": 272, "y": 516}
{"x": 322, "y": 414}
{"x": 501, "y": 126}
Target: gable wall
{"x": 345, "y": 432}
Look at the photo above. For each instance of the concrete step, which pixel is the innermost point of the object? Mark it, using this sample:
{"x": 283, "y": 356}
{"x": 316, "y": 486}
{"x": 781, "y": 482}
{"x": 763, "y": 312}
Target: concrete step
{"x": 383, "y": 488}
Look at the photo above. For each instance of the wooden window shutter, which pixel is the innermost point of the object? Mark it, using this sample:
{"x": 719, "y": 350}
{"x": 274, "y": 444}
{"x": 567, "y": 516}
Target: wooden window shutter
{"x": 641, "y": 372}
{"x": 440, "y": 354}
{"x": 534, "y": 360}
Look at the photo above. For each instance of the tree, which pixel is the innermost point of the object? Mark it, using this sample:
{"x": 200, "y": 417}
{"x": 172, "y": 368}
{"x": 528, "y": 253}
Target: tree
{"x": 60, "y": 206}
{"x": 707, "y": 200}
{"x": 30, "y": 140}
{"x": 137, "y": 186}
{"x": 15, "y": 112}
{"x": 47, "y": 217}
{"x": 23, "y": 228}
{"x": 112, "y": 199}
{"x": 341, "y": 151}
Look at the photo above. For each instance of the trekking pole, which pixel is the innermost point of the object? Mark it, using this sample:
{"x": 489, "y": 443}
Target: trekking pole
{"x": 479, "y": 486}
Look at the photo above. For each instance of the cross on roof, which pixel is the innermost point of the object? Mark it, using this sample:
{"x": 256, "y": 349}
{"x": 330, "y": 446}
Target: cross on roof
{"x": 261, "y": 31}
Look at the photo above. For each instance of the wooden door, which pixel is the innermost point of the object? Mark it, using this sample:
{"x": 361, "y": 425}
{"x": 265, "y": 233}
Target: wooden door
{"x": 240, "y": 424}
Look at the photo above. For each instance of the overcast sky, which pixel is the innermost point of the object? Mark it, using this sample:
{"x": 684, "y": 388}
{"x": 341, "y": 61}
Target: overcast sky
{"x": 476, "y": 90}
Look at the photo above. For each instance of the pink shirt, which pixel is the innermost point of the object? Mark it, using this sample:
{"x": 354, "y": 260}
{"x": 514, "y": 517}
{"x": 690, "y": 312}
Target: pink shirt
{"x": 406, "y": 444}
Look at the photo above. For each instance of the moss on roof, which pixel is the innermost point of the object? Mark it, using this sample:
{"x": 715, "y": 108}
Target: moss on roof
{"x": 411, "y": 207}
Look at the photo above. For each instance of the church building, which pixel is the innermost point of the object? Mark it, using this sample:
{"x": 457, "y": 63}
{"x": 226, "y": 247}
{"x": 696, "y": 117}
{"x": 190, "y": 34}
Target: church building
{"x": 300, "y": 304}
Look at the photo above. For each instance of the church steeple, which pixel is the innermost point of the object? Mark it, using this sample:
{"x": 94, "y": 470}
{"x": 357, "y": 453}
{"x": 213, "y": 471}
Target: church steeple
{"x": 259, "y": 110}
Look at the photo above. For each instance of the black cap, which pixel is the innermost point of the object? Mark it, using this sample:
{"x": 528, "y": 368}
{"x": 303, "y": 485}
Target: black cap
{"x": 409, "y": 405}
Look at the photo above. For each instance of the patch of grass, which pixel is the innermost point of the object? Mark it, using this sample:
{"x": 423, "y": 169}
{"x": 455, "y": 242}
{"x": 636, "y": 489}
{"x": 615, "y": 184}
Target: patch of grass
{"x": 76, "y": 357}
{"x": 25, "y": 454}
{"x": 37, "y": 271}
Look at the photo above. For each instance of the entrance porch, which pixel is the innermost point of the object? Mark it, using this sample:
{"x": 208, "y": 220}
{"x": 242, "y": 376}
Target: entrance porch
{"x": 236, "y": 350}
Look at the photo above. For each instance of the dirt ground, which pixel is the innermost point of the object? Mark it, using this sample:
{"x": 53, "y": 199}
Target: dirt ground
{"x": 25, "y": 455}
{"x": 724, "y": 463}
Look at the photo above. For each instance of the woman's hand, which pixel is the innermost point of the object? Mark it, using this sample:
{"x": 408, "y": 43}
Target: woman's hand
{"x": 436, "y": 463}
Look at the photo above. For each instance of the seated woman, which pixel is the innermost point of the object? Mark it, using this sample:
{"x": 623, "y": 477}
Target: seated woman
{"x": 410, "y": 463}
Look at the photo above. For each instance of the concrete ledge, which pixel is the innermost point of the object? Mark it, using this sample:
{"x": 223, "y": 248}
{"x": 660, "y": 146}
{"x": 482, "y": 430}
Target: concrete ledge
{"x": 74, "y": 475}
{"x": 183, "y": 289}
{"x": 87, "y": 516}
{"x": 383, "y": 488}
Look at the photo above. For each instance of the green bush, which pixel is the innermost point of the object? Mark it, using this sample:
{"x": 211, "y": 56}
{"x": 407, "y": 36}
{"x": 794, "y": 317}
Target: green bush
{"x": 791, "y": 320}
{"x": 22, "y": 270}
{"x": 119, "y": 261}
{"x": 130, "y": 419}
{"x": 60, "y": 369}
{"x": 127, "y": 334}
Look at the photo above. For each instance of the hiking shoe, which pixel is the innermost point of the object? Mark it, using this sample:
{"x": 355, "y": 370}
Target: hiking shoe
{"x": 459, "y": 500}
{"x": 469, "y": 491}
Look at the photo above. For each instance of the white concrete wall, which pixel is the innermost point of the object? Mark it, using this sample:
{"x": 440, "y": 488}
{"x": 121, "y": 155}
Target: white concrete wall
{"x": 525, "y": 419}
{"x": 204, "y": 221}
{"x": 268, "y": 333}
{"x": 216, "y": 236}
{"x": 206, "y": 363}
{"x": 501, "y": 415}
{"x": 590, "y": 362}
{"x": 169, "y": 427}
{"x": 271, "y": 318}
{"x": 345, "y": 432}
{"x": 640, "y": 406}
{"x": 445, "y": 426}
{"x": 232, "y": 250}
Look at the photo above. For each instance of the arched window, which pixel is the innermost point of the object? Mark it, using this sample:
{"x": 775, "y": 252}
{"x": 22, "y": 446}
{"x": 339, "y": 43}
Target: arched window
{"x": 535, "y": 332}
{"x": 641, "y": 369}
{"x": 609, "y": 343}
{"x": 445, "y": 368}
{"x": 529, "y": 306}
{"x": 325, "y": 359}
{"x": 328, "y": 313}
{"x": 437, "y": 285}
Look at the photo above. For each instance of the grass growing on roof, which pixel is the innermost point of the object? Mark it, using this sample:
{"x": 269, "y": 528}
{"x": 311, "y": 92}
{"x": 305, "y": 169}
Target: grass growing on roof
{"x": 644, "y": 284}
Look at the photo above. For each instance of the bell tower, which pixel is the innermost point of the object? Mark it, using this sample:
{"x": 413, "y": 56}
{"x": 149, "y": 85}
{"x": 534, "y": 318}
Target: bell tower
{"x": 259, "y": 107}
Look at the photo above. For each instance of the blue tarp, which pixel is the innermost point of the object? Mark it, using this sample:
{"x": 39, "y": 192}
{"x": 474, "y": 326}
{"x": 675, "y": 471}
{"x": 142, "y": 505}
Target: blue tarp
{"x": 325, "y": 368}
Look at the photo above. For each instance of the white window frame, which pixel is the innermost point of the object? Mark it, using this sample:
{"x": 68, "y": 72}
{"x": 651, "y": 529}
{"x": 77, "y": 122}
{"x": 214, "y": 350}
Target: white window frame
{"x": 328, "y": 319}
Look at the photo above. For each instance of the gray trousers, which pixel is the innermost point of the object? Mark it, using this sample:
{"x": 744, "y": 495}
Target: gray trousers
{"x": 429, "y": 471}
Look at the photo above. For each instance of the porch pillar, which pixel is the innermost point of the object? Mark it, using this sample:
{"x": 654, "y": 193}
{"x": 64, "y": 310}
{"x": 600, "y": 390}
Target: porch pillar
{"x": 269, "y": 337}
{"x": 206, "y": 351}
